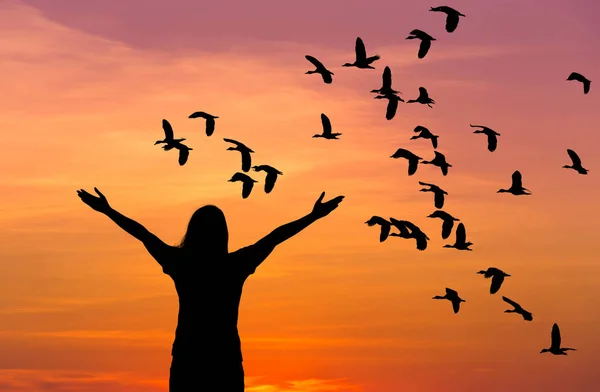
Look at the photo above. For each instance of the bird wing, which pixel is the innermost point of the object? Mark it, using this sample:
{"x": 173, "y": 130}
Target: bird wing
{"x": 184, "y": 153}
{"x": 576, "y": 76}
{"x": 238, "y": 144}
{"x": 387, "y": 78}
{"x": 423, "y": 92}
{"x": 314, "y": 61}
{"x": 586, "y": 86}
{"x": 424, "y": 48}
{"x": 359, "y": 48}
{"x": 413, "y": 165}
{"x": 326, "y": 124}
{"x": 270, "y": 181}
{"x": 511, "y": 302}
{"x": 555, "y": 336}
{"x": 168, "y": 130}
{"x": 246, "y": 160}
{"x": 517, "y": 179}
{"x": 447, "y": 228}
{"x": 438, "y": 200}
{"x": 424, "y": 183}
{"x": 451, "y": 21}
{"x": 327, "y": 77}
{"x": 496, "y": 283}
{"x": 574, "y": 157}
{"x": 198, "y": 114}
{"x": 456, "y": 306}
{"x": 450, "y": 292}
{"x": 391, "y": 109}
{"x": 385, "y": 231}
{"x": 421, "y": 241}
{"x": 492, "y": 142}
{"x": 420, "y": 128}
{"x": 434, "y": 141}
{"x": 210, "y": 126}
{"x": 461, "y": 234}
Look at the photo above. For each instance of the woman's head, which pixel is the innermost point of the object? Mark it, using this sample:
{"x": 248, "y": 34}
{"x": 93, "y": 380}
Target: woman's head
{"x": 207, "y": 232}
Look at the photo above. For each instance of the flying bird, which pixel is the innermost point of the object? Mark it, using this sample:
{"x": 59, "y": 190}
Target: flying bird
{"x": 447, "y": 224}
{"x": 497, "y": 278}
{"x": 580, "y": 78}
{"x": 245, "y": 151}
{"x": 423, "y": 98}
{"x": 576, "y": 163}
{"x": 425, "y": 133}
{"x": 516, "y": 187}
{"x": 453, "y": 297}
{"x": 410, "y": 230}
{"x": 425, "y": 41}
{"x": 170, "y": 143}
{"x": 247, "y": 183}
{"x": 210, "y": 121}
{"x": 271, "y": 176}
{"x": 362, "y": 61}
{"x": 527, "y": 316}
{"x": 413, "y": 160}
{"x": 555, "y": 345}
{"x": 385, "y": 226}
{"x": 461, "y": 239}
{"x": 325, "y": 73}
{"x": 439, "y": 161}
{"x": 438, "y": 193}
{"x": 327, "y": 129}
{"x": 452, "y": 16}
{"x": 392, "y": 105}
{"x": 491, "y": 136}
{"x": 386, "y": 86}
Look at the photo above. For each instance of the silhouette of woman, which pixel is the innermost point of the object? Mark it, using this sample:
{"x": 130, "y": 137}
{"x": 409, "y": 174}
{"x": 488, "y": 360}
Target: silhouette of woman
{"x": 206, "y": 352}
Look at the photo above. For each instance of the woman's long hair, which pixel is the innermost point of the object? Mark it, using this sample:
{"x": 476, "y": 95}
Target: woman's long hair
{"x": 207, "y": 233}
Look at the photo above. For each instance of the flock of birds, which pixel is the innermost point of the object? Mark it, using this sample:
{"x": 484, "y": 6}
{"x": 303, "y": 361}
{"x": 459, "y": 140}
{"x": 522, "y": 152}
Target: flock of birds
{"x": 406, "y": 229}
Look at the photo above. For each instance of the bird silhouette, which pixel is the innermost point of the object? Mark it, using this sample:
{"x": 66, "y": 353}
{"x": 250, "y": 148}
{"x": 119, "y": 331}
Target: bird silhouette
{"x": 555, "y": 345}
{"x": 438, "y": 198}
{"x": 453, "y": 297}
{"x": 362, "y": 61}
{"x": 580, "y": 78}
{"x": 516, "y": 187}
{"x": 245, "y": 151}
{"x": 576, "y": 163}
{"x": 447, "y": 224}
{"x": 423, "y": 98}
{"x": 170, "y": 143}
{"x": 327, "y": 129}
{"x": 271, "y": 176}
{"x": 325, "y": 73}
{"x": 461, "y": 239}
{"x": 386, "y": 85}
{"x": 440, "y": 161}
{"x": 410, "y": 230}
{"x": 247, "y": 183}
{"x": 491, "y": 136}
{"x": 392, "y": 105}
{"x": 210, "y": 121}
{"x": 452, "y": 16}
{"x": 497, "y": 278}
{"x": 517, "y": 309}
{"x": 425, "y": 41}
{"x": 425, "y": 133}
{"x": 385, "y": 226}
{"x": 413, "y": 160}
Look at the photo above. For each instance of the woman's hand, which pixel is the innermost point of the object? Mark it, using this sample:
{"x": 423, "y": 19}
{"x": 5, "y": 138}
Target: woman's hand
{"x": 321, "y": 210}
{"x": 99, "y": 204}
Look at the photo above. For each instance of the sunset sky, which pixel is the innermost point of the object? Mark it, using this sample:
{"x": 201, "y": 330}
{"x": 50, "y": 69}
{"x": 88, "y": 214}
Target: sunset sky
{"x": 85, "y": 85}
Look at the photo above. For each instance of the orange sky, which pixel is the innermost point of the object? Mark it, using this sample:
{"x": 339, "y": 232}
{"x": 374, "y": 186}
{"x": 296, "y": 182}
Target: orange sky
{"x": 84, "y": 308}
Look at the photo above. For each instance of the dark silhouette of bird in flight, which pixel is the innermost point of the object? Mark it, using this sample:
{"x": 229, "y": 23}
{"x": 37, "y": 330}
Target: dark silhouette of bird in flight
{"x": 325, "y": 73}
{"x": 447, "y": 224}
{"x": 385, "y": 226}
{"x": 453, "y": 297}
{"x": 576, "y": 163}
{"x": 410, "y": 230}
{"x": 245, "y": 151}
{"x": 555, "y": 345}
{"x": 491, "y": 136}
{"x": 327, "y": 129}
{"x": 423, "y": 98}
{"x": 392, "y": 105}
{"x": 362, "y": 61}
{"x": 517, "y": 309}
{"x": 516, "y": 187}
{"x": 425, "y": 134}
{"x": 413, "y": 160}
{"x": 425, "y": 41}
{"x": 271, "y": 176}
{"x": 440, "y": 161}
{"x": 461, "y": 239}
{"x": 580, "y": 78}
{"x": 497, "y": 278}
{"x": 386, "y": 85}
{"x": 452, "y": 16}
{"x": 247, "y": 183}
{"x": 438, "y": 193}
{"x": 210, "y": 121}
{"x": 170, "y": 143}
